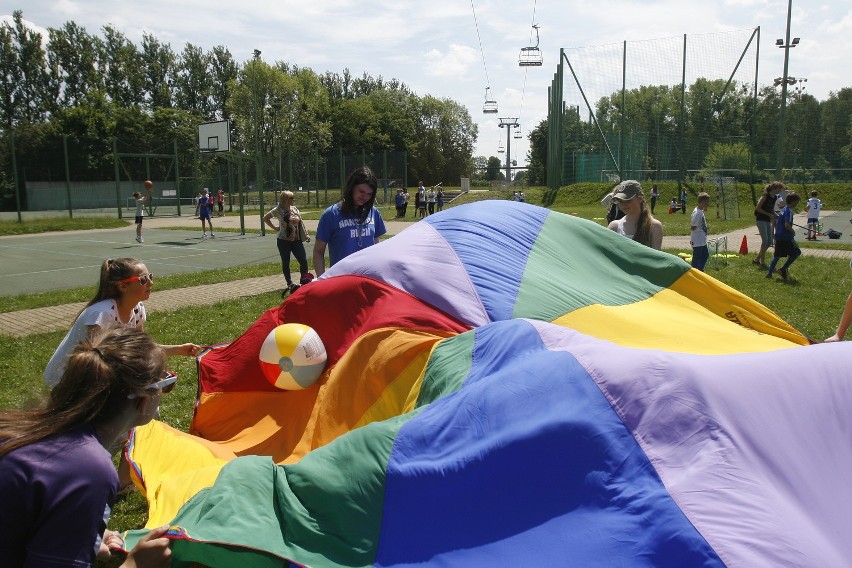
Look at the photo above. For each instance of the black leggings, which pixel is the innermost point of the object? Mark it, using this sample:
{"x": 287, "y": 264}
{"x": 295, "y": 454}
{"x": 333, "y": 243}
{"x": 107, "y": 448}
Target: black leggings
{"x": 285, "y": 247}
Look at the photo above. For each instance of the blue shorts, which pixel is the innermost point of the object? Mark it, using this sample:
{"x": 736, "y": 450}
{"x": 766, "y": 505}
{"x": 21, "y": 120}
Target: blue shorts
{"x": 813, "y": 221}
{"x": 204, "y": 214}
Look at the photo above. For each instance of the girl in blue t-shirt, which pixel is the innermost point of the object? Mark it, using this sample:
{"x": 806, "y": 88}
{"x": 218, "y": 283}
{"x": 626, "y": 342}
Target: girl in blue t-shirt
{"x": 351, "y": 224}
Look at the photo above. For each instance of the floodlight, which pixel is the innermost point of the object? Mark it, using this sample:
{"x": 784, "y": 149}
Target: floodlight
{"x": 795, "y": 41}
{"x": 779, "y": 42}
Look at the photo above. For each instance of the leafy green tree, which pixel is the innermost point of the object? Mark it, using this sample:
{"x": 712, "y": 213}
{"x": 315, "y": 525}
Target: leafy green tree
{"x": 9, "y": 77}
{"x": 193, "y": 81}
{"x": 28, "y": 80}
{"x": 445, "y": 135}
{"x": 73, "y": 60}
{"x": 492, "y": 171}
{"x": 730, "y": 158}
{"x": 537, "y": 155}
{"x": 158, "y": 61}
{"x": 123, "y": 69}
{"x": 223, "y": 70}
{"x": 846, "y": 151}
{"x": 835, "y": 124}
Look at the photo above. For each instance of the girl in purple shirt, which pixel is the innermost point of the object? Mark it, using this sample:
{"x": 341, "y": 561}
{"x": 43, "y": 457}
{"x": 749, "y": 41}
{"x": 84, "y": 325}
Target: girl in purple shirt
{"x": 57, "y": 480}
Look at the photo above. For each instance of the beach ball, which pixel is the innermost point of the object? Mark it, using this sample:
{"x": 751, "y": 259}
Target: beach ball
{"x": 292, "y": 356}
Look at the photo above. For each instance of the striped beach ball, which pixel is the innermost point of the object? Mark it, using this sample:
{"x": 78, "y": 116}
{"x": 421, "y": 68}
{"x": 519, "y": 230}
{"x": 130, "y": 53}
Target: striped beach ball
{"x": 292, "y": 356}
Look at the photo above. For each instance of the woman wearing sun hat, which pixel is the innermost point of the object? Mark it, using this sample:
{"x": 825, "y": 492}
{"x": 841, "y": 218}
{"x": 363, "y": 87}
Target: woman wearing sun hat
{"x": 638, "y": 223}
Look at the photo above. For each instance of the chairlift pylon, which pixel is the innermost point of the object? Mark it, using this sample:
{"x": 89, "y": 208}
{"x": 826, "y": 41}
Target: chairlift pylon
{"x": 490, "y": 105}
{"x": 531, "y": 56}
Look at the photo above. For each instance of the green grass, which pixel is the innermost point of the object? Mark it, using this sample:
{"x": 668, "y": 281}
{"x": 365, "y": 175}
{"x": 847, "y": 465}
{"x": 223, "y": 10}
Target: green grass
{"x": 84, "y": 294}
{"x": 48, "y": 224}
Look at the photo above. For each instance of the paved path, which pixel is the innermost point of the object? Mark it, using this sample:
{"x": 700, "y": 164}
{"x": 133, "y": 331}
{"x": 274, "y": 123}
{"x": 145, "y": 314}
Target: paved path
{"x": 42, "y": 320}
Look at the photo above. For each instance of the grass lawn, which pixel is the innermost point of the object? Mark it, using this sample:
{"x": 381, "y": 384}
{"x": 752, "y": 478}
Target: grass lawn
{"x": 811, "y": 301}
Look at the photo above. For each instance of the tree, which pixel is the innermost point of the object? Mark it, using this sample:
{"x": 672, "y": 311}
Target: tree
{"x": 9, "y": 76}
{"x": 28, "y": 78}
{"x": 445, "y": 138}
{"x": 835, "y": 124}
{"x": 193, "y": 81}
{"x": 730, "y": 158}
{"x": 123, "y": 69}
{"x": 223, "y": 70}
{"x": 158, "y": 61}
{"x": 493, "y": 169}
{"x": 73, "y": 60}
{"x": 537, "y": 155}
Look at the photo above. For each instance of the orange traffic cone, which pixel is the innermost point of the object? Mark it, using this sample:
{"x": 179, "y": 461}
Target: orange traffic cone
{"x": 744, "y": 246}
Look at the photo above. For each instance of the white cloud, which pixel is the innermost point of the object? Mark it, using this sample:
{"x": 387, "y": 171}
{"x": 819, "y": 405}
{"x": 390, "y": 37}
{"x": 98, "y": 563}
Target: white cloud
{"x": 451, "y": 64}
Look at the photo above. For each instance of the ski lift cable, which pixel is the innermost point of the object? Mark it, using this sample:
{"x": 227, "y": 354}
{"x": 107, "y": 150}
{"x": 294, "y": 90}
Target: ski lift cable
{"x": 534, "y": 25}
{"x": 524, "y": 87}
{"x": 481, "y": 51}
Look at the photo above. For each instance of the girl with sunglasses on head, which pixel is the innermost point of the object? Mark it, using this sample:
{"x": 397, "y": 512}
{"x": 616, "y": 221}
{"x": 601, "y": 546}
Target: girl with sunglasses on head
{"x": 57, "y": 480}
{"x": 124, "y": 284}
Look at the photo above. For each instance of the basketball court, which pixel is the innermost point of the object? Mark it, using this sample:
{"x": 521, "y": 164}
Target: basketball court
{"x": 59, "y": 261}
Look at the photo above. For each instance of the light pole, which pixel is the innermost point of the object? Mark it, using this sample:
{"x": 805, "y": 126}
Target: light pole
{"x": 257, "y": 157}
{"x": 508, "y": 124}
{"x": 801, "y": 139}
{"x": 786, "y": 45}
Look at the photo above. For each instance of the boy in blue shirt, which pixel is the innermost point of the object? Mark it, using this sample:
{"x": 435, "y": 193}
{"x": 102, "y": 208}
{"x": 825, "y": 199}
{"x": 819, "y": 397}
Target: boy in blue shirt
{"x": 785, "y": 237}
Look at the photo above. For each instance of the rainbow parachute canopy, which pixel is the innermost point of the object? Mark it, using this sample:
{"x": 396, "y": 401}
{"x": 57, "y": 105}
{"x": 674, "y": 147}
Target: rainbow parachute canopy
{"x": 507, "y": 385}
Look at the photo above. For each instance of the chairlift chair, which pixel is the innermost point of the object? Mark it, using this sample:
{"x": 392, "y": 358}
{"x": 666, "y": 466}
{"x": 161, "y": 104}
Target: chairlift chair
{"x": 490, "y": 105}
{"x": 531, "y": 56}
{"x": 518, "y": 135}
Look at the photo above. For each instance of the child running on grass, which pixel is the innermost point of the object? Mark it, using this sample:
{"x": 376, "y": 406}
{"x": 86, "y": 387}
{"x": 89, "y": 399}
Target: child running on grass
{"x": 785, "y": 237}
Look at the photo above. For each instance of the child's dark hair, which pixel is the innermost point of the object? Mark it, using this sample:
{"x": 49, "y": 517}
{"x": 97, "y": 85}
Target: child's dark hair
{"x": 792, "y": 198}
{"x": 359, "y": 176}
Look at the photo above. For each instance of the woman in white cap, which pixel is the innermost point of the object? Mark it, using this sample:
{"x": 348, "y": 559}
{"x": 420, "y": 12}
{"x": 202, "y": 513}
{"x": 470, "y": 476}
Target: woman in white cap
{"x": 638, "y": 223}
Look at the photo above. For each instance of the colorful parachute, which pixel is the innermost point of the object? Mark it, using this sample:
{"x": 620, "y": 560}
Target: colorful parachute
{"x": 507, "y": 385}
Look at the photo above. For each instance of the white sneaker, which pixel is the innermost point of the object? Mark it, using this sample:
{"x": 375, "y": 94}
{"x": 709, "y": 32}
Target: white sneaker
{"x": 212, "y": 235}
{"x": 138, "y": 239}
{"x": 203, "y": 236}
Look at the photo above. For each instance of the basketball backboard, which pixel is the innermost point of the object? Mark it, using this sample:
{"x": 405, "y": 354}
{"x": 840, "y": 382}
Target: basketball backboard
{"x": 214, "y": 136}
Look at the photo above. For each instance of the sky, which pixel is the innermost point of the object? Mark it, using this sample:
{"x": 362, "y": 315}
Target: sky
{"x": 458, "y": 48}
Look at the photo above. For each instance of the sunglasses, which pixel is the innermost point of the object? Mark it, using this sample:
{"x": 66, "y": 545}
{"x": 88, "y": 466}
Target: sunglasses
{"x": 165, "y": 385}
{"x": 142, "y": 278}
